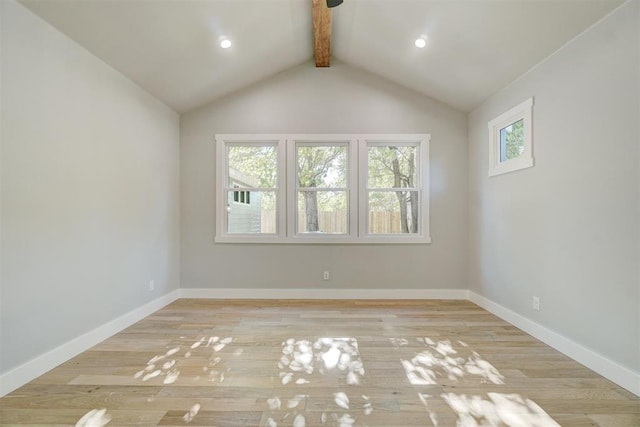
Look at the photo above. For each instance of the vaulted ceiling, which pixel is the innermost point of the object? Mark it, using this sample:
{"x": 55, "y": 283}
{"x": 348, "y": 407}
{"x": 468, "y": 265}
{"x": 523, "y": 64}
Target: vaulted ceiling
{"x": 172, "y": 49}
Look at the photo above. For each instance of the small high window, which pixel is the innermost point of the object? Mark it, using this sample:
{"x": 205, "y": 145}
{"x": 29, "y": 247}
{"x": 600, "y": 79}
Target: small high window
{"x": 510, "y": 140}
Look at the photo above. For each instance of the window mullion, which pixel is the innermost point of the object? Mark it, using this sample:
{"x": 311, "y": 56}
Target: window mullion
{"x": 353, "y": 190}
{"x": 251, "y": 190}
{"x": 363, "y": 170}
{"x": 292, "y": 190}
{"x": 222, "y": 181}
{"x": 424, "y": 190}
{"x": 392, "y": 189}
{"x": 336, "y": 189}
{"x": 281, "y": 219}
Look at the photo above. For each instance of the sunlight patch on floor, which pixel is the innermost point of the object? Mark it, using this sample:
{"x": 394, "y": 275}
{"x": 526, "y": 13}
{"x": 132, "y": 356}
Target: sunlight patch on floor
{"x": 457, "y": 362}
{"x": 303, "y": 361}
{"x": 494, "y": 410}
{"x": 166, "y": 366}
{"x": 335, "y": 362}
{"x": 441, "y": 360}
{"x": 189, "y": 416}
{"x": 94, "y": 418}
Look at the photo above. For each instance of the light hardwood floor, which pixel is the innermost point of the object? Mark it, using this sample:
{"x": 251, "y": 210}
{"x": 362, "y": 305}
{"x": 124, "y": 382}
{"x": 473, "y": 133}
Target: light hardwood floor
{"x": 321, "y": 363}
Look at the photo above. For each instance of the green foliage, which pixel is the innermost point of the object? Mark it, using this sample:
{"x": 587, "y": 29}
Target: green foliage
{"x": 326, "y": 167}
{"x": 391, "y": 166}
{"x": 255, "y": 167}
{"x": 514, "y": 140}
{"x": 394, "y": 167}
{"x": 322, "y": 167}
{"x": 381, "y": 174}
{"x": 257, "y": 164}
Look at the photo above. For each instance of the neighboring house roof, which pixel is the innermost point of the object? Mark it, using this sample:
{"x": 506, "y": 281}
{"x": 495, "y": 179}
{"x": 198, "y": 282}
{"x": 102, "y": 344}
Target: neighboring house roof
{"x": 243, "y": 179}
{"x": 171, "y": 48}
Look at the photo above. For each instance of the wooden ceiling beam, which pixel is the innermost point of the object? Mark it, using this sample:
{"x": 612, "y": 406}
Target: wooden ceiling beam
{"x": 321, "y": 32}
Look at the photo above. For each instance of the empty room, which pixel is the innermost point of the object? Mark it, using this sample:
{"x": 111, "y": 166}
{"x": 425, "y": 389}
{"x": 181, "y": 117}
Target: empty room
{"x": 320, "y": 213}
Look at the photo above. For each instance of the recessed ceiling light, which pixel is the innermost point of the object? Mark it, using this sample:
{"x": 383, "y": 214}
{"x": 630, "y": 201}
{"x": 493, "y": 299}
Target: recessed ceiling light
{"x": 421, "y": 42}
{"x": 225, "y": 44}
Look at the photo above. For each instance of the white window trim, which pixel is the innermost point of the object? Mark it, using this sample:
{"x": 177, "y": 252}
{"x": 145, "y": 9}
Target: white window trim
{"x": 423, "y": 140}
{"x": 357, "y": 189}
{"x": 352, "y": 189}
{"x": 221, "y": 204}
{"x": 522, "y": 111}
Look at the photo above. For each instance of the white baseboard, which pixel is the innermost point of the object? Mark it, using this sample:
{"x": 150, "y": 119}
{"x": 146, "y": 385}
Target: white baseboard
{"x": 311, "y": 294}
{"x": 620, "y": 375}
{"x": 44, "y": 363}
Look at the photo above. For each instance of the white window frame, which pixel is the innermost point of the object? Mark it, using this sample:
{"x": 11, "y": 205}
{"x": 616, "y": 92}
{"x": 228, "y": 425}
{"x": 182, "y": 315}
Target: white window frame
{"x": 352, "y": 190}
{"x": 524, "y": 112}
{"x": 422, "y": 142}
{"x": 223, "y": 185}
{"x": 287, "y": 189}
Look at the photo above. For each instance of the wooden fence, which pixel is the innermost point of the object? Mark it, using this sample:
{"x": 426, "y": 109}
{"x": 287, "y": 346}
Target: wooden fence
{"x": 336, "y": 222}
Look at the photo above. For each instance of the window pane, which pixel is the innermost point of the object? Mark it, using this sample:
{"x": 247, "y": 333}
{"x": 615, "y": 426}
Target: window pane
{"x": 322, "y": 166}
{"x": 253, "y": 212}
{"x": 393, "y": 167}
{"x": 393, "y": 212}
{"x": 322, "y": 212}
{"x": 253, "y": 166}
{"x": 512, "y": 141}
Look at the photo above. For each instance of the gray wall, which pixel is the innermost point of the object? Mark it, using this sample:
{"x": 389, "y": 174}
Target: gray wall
{"x": 90, "y": 191}
{"x": 339, "y": 99}
{"x": 567, "y": 229}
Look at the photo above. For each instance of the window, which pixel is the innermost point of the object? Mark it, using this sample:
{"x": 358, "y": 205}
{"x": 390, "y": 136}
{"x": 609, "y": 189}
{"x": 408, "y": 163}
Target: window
{"x": 393, "y": 188}
{"x": 243, "y": 197}
{"x": 510, "y": 140}
{"x": 250, "y": 188}
{"x": 322, "y": 181}
{"x": 322, "y": 188}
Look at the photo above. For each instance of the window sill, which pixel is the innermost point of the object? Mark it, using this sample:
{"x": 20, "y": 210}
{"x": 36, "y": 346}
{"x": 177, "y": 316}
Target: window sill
{"x": 511, "y": 166}
{"x": 324, "y": 240}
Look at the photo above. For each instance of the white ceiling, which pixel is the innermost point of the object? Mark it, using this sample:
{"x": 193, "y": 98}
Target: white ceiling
{"x": 171, "y": 47}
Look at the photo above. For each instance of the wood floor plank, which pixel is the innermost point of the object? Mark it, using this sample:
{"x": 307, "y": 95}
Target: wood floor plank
{"x": 321, "y": 363}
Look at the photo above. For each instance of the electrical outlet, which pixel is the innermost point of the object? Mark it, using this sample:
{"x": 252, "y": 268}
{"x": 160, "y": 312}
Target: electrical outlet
{"x": 536, "y": 303}
{"x": 152, "y": 285}
{"x": 325, "y": 275}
